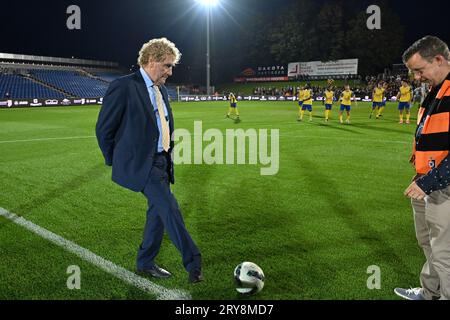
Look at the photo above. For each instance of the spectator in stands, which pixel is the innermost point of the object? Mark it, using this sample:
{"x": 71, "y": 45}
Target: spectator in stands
{"x": 133, "y": 131}
{"x": 417, "y": 98}
{"x": 7, "y": 95}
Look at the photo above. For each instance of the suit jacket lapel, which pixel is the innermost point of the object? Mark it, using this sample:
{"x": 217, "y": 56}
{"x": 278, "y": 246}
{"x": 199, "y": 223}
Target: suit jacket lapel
{"x": 145, "y": 98}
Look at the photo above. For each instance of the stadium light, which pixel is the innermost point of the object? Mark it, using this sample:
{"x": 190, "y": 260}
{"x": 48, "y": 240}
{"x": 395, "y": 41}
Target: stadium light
{"x": 208, "y": 4}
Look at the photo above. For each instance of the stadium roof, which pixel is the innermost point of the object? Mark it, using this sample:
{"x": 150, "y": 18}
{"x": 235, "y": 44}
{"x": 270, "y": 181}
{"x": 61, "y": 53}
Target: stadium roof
{"x": 23, "y": 58}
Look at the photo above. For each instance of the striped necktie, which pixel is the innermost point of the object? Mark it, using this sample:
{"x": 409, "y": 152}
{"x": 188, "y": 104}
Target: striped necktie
{"x": 162, "y": 117}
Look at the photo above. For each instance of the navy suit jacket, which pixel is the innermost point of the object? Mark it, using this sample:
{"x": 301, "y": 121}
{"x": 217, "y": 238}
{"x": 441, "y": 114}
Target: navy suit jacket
{"x": 127, "y": 132}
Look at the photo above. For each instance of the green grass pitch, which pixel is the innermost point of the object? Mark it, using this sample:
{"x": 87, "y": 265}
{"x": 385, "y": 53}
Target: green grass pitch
{"x": 335, "y": 207}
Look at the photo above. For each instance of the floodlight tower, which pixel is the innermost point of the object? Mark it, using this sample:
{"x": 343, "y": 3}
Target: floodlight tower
{"x": 208, "y": 4}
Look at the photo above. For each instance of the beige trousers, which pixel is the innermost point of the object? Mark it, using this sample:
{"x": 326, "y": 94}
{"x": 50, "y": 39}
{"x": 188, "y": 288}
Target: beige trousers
{"x": 432, "y": 224}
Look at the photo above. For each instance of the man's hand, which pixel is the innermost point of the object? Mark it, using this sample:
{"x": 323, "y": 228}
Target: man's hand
{"x": 414, "y": 192}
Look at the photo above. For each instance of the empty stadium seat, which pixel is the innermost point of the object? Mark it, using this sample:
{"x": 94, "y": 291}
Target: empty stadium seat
{"x": 20, "y": 87}
{"x": 72, "y": 82}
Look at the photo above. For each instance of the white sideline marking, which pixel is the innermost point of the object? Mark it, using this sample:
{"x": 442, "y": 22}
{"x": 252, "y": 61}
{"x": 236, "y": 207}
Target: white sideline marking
{"x": 45, "y": 139}
{"x": 161, "y": 292}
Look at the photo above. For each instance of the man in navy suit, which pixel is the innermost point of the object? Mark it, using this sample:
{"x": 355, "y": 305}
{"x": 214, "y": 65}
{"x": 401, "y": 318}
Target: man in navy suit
{"x": 133, "y": 131}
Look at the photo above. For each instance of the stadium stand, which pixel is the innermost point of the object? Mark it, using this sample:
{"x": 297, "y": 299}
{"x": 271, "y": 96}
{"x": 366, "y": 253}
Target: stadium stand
{"x": 74, "y": 83}
{"x": 19, "y": 87}
{"x": 106, "y": 76}
{"x": 30, "y": 77}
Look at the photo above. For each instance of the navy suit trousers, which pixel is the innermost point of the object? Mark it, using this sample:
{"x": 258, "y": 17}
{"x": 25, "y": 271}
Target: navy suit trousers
{"x": 164, "y": 214}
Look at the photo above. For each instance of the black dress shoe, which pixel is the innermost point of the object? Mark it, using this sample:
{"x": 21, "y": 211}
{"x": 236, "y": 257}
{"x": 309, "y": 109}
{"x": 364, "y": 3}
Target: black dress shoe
{"x": 195, "y": 275}
{"x": 155, "y": 272}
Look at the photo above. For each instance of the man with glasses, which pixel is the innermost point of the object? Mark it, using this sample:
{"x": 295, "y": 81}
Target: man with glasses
{"x": 429, "y": 60}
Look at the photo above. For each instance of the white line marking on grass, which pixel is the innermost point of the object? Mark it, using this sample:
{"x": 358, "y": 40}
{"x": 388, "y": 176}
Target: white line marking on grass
{"x": 281, "y": 135}
{"x": 161, "y": 292}
{"x": 46, "y": 139}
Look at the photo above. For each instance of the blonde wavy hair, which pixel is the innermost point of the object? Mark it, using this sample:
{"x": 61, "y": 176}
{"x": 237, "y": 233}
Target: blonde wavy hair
{"x": 157, "y": 50}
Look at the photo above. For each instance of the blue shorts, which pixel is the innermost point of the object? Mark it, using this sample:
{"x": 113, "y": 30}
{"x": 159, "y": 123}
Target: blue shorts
{"x": 377, "y": 104}
{"x": 233, "y": 105}
{"x": 403, "y": 105}
{"x": 328, "y": 107}
{"x": 300, "y": 103}
{"x": 307, "y": 107}
{"x": 345, "y": 107}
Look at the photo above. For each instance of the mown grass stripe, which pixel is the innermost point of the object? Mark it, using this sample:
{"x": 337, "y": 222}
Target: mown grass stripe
{"x": 161, "y": 292}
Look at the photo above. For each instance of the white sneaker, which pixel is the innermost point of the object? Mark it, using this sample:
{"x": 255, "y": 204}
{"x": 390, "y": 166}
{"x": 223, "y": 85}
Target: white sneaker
{"x": 410, "y": 294}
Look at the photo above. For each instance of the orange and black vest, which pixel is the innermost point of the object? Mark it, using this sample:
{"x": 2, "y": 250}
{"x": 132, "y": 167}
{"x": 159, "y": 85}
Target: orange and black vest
{"x": 432, "y": 140}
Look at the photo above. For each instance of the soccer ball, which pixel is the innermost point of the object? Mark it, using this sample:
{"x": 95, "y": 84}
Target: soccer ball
{"x": 249, "y": 278}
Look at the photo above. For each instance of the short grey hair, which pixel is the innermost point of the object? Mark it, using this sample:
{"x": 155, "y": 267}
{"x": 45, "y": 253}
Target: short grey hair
{"x": 428, "y": 47}
{"x": 157, "y": 50}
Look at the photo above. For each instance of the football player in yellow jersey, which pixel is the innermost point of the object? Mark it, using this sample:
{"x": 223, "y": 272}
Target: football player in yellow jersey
{"x": 377, "y": 100}
{"x": 300, "y": 102}
{"x": 307, "y": 102}
{"x": 233, "y": 106}
{"x": 383, "y": 103}
{"x": 346, "y": 102}
{"x": 404, "y": 97}
{"x": 328, "y": 100}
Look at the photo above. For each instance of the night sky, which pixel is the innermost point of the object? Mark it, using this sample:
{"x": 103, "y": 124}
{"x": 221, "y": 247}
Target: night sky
{"x": 115, "y": 30}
